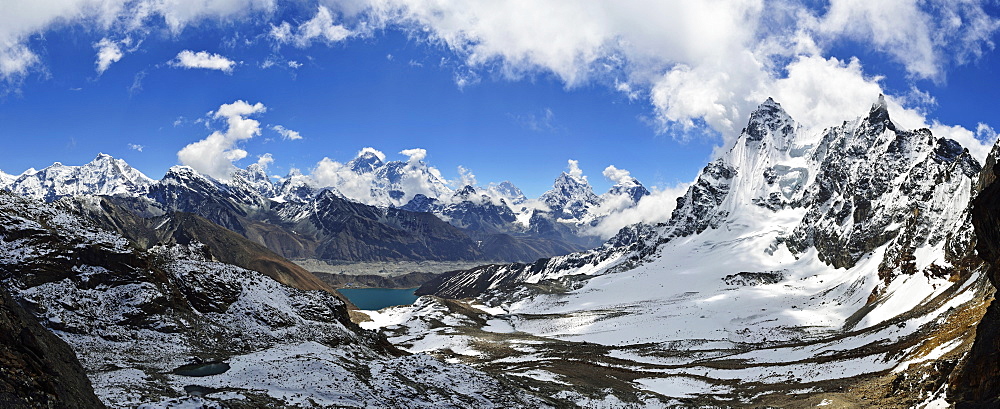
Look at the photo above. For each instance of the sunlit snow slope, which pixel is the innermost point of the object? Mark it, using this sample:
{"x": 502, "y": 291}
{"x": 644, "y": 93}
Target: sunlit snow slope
{"x": 797, "y": 264}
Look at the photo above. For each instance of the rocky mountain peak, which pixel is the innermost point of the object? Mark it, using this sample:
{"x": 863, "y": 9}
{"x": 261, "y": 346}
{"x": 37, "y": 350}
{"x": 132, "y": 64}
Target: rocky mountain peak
{"x": 465, "y": 192}
{"x": 770, "y": 124}
{"x": 367, "y": 161}
{"x": 879, "y": 114}
{"x": 629, "y": 187}
{"x": 571, "y": 196}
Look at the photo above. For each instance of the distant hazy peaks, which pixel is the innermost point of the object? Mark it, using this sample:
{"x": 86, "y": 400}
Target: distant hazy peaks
{"x": 507, "y": 191}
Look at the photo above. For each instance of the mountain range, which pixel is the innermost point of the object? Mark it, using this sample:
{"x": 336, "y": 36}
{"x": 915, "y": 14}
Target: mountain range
{"x": 842, "y": 267}
{"x": 389, "y": 221}
{"x": 799, "y": 269}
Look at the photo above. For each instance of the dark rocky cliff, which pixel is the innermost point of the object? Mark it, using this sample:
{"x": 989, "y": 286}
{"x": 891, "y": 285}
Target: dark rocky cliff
{"x": 977, "y": 385}
{"x": 37, "y": 369}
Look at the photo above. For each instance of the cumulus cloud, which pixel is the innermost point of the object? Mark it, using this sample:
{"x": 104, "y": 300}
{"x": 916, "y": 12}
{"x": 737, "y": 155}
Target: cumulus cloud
{"x": 135, "y": 147}
{"x": 108, "y": 52}
{"x": 287, "y": 134}
{"x": 330, "y": 173}
{"x": 202, "y": 59}
{"x": 703, "y": 66}
{"x": 214, "y": 155}
{"x": 573, "y": 169}
{"x": 415, "y": 155}
{"x": 265, "y": 160}
{"x": 619, "y": 176}
{"x": 465, "y": 177}
{"x": 15, "y": 61}
{"x": 378, "y": 154}
{"x": 321, "y": 26}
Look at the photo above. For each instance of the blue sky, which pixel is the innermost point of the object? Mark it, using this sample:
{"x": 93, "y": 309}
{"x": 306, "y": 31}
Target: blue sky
{"x": 505, "y": 100}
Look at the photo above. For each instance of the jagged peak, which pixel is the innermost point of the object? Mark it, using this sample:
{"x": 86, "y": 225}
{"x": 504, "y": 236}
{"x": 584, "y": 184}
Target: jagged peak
{"x": 770, "y": 118}
{"x": 880, "y": 113}
{"x": 466, "y": 191}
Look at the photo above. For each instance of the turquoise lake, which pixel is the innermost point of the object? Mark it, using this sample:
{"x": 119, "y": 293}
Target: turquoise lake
{"x": 379, "y": 298}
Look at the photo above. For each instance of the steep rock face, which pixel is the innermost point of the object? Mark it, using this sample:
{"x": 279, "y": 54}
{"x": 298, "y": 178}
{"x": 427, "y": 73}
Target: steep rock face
{"x": 38, "y": 369}
{"x": 629, "y": 189}
{"x": 875, "y": 181}
{"x": 170, "y": 306}
{"x": 977, "y": 385}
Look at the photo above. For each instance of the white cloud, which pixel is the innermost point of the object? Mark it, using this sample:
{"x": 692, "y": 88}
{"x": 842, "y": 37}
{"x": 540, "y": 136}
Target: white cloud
{"x": 915, "y": 33}
{"x": 108, "y": 52}
{"x": 135, "y": 147}
{"x": 287, "y": 134}
{"x": 378, "y": 154}
{"x": 202, "y": 59}
{"x": 415, "y": 155}
{"x": 573, "y": 169}
{"x": 706, "y": 63}
{"x": 465, "y": 177}
{"x": 985, "y": 133}
{"x": 265, "y": 160}
{"x": 321, "y": 26}
{"x": 619, "y": 176}
{"x": 696, "y": 62}
{"x": 15, "y": 61}
{"x": 653, "y": 208}
{"x": 330, "y": 173}
{"x": 214, "y": 155}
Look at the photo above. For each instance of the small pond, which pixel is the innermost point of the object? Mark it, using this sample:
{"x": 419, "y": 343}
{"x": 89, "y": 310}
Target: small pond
{"x": 205, "y": 369}
{"x": 379, "y": 298}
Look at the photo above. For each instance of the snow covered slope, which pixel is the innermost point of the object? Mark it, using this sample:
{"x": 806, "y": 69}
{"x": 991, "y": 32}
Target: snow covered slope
{"x": 794, "y": 262}
{"x": 136, "y": 317}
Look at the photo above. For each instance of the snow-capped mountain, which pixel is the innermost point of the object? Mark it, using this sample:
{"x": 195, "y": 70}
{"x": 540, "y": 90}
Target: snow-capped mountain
{"x": 394, "y": 183}
{"x": 102, "y": 176}
{"x": 571, "y": 198}
{"x": 629, "y": 189}
{"x": 787, "y": 247}
{"x": 6, "y": 179}
{"x": 508, "y": 192}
